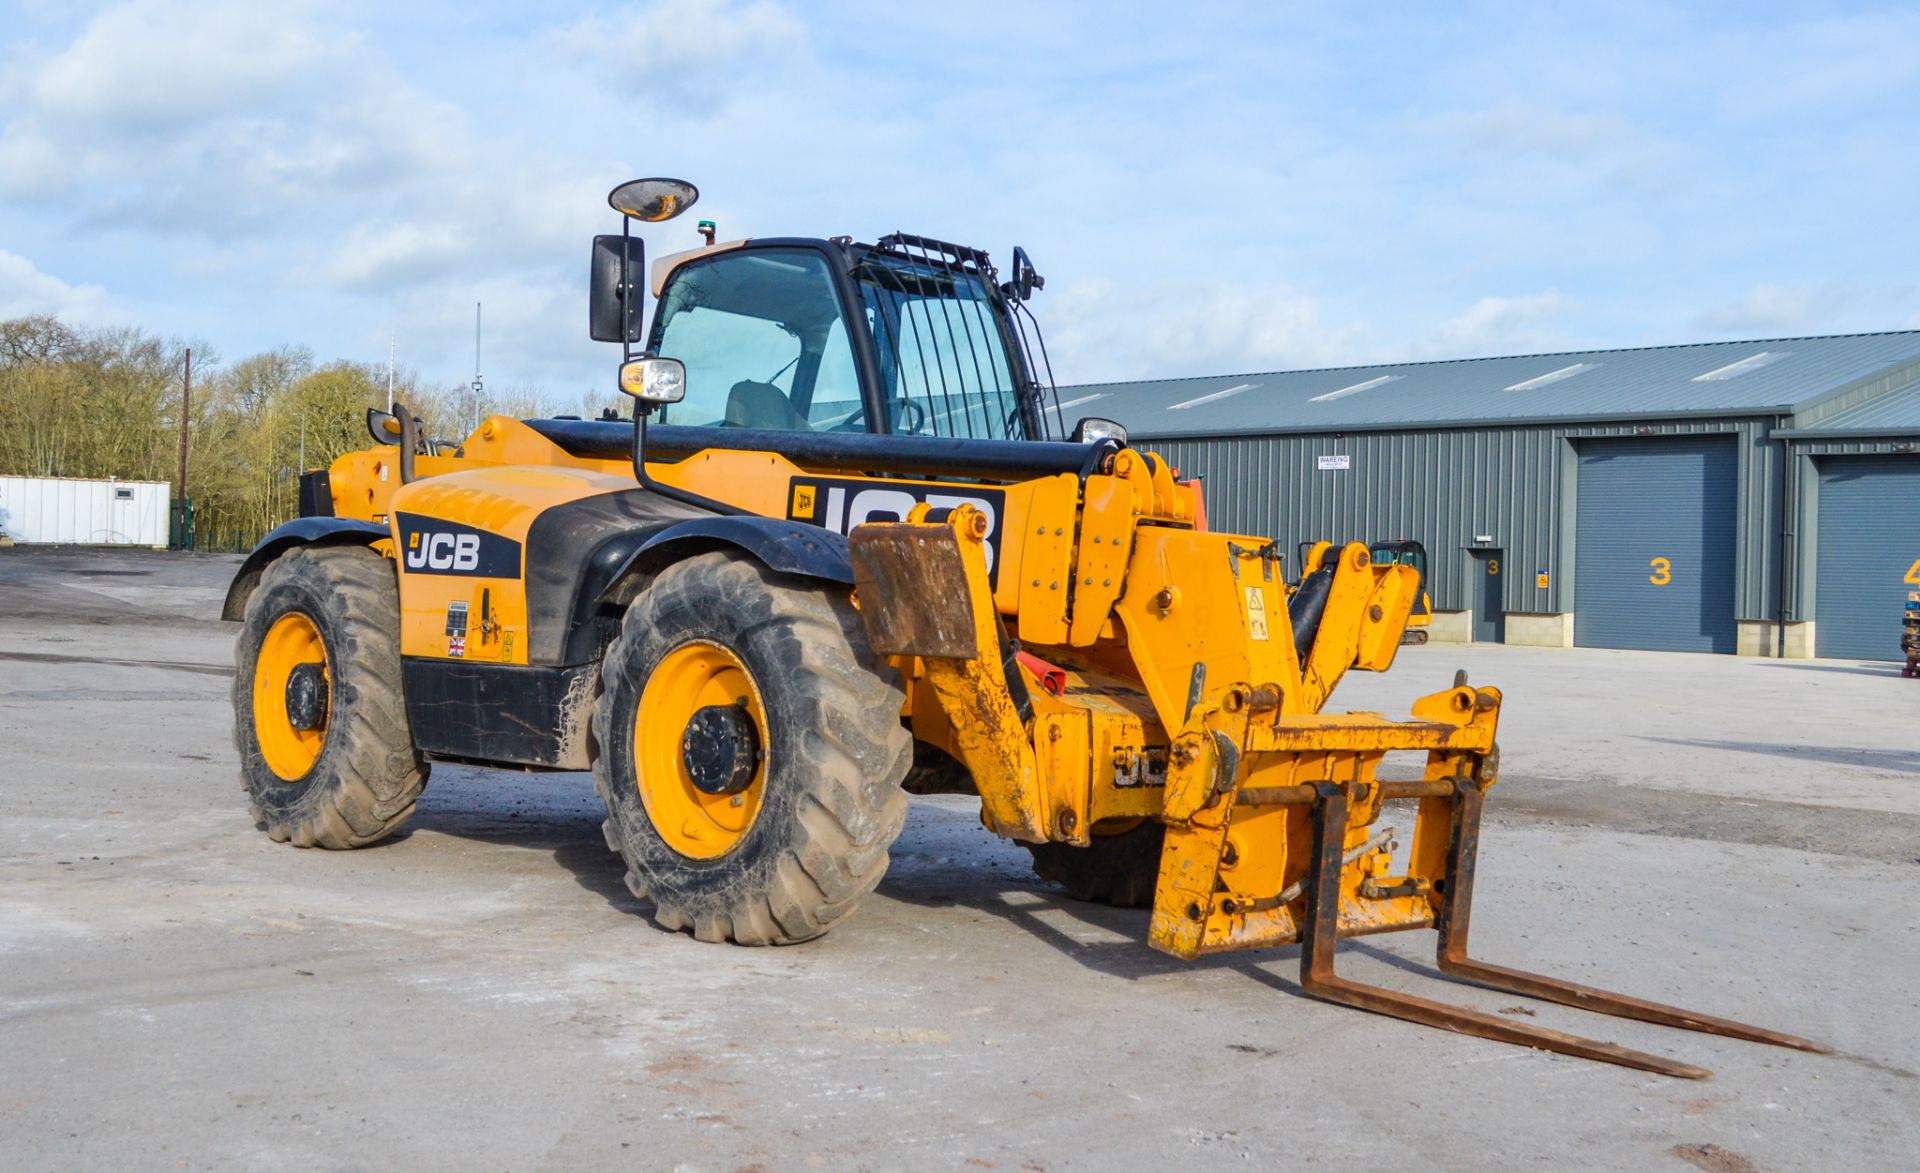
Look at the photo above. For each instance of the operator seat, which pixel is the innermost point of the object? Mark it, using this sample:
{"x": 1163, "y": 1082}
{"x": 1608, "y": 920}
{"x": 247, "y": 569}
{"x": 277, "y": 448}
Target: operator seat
{"x": 763, "y": 405}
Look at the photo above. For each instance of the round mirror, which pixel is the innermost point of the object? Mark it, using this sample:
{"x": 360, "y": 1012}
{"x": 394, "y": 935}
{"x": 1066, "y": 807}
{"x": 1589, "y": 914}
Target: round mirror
{"x": 653, "y": 200}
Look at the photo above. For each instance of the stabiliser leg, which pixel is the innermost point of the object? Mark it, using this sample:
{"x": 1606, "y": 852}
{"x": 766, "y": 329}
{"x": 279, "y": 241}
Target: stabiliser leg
{"x": 1319, "y": 938}
{"x": 1456, "y": 913}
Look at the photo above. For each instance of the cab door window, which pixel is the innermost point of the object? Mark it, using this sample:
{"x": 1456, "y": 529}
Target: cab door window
{"x": 764, "y": 343}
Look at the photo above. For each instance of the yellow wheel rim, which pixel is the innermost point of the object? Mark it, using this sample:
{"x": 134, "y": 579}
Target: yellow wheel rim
{"x": 289, "y": 751}
{"x": 690, "y": 678}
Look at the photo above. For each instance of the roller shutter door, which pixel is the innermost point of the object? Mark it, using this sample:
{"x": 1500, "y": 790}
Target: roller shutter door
{"x": 1868, "y": 544}
{"x": 1654, "y": 542}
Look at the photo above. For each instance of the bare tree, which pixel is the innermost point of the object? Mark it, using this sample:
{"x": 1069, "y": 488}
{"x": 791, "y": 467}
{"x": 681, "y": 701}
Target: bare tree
{"x": 106, "y": 403}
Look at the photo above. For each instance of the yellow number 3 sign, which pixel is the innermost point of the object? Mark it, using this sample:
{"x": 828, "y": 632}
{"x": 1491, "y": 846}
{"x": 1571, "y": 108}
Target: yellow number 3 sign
{"x": 1662, "y": 572}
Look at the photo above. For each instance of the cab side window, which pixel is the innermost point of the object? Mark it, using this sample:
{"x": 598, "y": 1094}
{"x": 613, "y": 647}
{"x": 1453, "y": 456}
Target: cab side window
{"x": 764, "y": 344}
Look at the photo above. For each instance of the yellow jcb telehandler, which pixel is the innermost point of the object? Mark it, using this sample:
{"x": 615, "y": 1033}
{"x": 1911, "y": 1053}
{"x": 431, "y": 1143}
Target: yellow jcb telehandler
{"x": 1317, "y": 565}
{"x": 846, "y": 549}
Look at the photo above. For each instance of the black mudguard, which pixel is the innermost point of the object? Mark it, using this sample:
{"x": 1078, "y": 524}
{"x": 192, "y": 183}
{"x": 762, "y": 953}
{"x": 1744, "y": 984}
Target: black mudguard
{"x": 301, "y": 531}
{"x": 586, "y": 560}
{"x": 790, "y": 547}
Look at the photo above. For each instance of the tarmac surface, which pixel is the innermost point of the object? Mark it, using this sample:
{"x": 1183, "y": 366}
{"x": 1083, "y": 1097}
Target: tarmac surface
{"x": 1741, "y": 837}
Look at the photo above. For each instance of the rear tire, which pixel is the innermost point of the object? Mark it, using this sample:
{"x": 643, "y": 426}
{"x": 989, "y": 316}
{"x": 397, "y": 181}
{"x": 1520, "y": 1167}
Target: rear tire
{"x": 1120, "y": 870}
{"x": 935, "y": 771}
{"x": 809, "y": 835}
{"x": 353, "y": 780}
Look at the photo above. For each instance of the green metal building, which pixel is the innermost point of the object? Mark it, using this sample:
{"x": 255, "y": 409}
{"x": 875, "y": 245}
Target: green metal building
{"x": 1752, "y": 497}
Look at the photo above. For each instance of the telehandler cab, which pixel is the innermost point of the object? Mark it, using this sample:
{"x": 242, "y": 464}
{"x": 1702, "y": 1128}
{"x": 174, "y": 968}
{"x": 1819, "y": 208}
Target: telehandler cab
{"x": 846, "y": 549}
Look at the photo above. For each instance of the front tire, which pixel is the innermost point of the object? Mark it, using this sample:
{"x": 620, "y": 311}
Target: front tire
{"x": 749, "y": 749}
{"x": 326, "y": 753}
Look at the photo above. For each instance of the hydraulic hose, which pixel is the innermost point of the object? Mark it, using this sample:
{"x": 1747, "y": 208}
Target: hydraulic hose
{"x": 1306, "y": 608}
{"x": 409, "y": 440}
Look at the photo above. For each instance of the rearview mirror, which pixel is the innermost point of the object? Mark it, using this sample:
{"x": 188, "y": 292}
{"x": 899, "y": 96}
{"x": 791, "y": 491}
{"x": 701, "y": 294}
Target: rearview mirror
{"x": 653, "y": 200}
{"x": 383, "y": 426}
{"x": 654, "y": 381}
{"x": 1025, "y": 278}
{"x": 614, "y": 291}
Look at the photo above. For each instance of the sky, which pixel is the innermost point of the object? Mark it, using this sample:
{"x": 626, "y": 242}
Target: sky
{"x": 1208, "y": 188}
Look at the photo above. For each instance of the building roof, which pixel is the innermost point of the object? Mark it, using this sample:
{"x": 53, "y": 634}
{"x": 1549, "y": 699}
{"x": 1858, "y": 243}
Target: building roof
{"x": 1770, "y": 376}
{"x": 1898, "y": 411}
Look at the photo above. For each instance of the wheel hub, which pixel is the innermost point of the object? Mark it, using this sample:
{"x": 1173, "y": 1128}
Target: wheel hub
{"x": 700, "y": 749}
{"x": 290, "y": 696}
{"x": 721, "y": 749}
{"x": 307, "y": 697}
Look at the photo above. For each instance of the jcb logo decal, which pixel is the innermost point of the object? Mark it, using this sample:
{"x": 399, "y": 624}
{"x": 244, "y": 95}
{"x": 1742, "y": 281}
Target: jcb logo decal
{"x": 446, "y": 547}
{"x": 455, "y": 552}
{"x": 839, "y": 505}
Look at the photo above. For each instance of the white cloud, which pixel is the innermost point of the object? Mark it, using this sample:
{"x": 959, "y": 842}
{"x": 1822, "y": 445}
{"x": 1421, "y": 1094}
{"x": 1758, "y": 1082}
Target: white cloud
{"x": 373, "y": 256}
{"x": 1255, "y": 328}
{"x": 533, "y": 331}
{"x": 1838, "y": 64}
{"x": 1501, "y": 325}
{"x": 219, "y": 118}
{"x": 1536, "y": 143}
{"x": 1528, "y": 129}
{"x": 471, "y": 222}
{"x": 1776, "y": 309}
{"x": 25, "y": 290}
{"x": 1099, "y": 330}
{"x": 165, "y": 63}
{"x": 1300, "y": 188}
{"x": 687, "y": 54}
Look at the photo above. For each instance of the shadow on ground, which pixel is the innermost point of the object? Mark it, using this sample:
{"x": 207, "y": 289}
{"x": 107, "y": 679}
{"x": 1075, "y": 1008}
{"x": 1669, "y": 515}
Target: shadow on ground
{"x": 942, "y": 860}
{"x": 1866, "y": 668}
{"x": 554, "y": 813}
{"x": 1903, "y": 760}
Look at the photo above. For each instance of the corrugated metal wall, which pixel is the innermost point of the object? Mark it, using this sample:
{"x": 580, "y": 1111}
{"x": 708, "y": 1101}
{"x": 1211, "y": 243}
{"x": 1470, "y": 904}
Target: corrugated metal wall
{"x": 1514, "y": 485}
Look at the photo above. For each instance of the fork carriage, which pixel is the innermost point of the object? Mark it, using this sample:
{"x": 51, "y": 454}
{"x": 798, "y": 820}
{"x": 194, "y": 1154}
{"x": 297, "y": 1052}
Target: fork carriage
{"x": 1272, "y": 808}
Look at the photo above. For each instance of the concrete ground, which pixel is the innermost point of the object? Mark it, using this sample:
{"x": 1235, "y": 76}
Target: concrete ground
{"x": 177, "y": 991}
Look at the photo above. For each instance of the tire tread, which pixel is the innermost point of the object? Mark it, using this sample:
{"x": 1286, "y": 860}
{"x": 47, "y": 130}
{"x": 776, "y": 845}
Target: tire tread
{"x": 853, "y": 750}
{"x": 371, "y": 773}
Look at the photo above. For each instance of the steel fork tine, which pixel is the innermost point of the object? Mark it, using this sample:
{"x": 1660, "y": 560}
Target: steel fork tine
{"x": 1455, "y": 919}
{"x": 1320, "y": 937}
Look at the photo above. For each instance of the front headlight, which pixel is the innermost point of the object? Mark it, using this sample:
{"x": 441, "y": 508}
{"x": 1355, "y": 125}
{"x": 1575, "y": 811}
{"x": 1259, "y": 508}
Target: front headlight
{"x": 654, "y": 381}
{"x": 1093, "y": 429}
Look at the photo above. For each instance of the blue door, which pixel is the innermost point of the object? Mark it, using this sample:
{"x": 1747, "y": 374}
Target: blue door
{"x": 1489, "y": 606}
{"x": 1867, "y": 556}
{"x": 1653, "y": 544}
